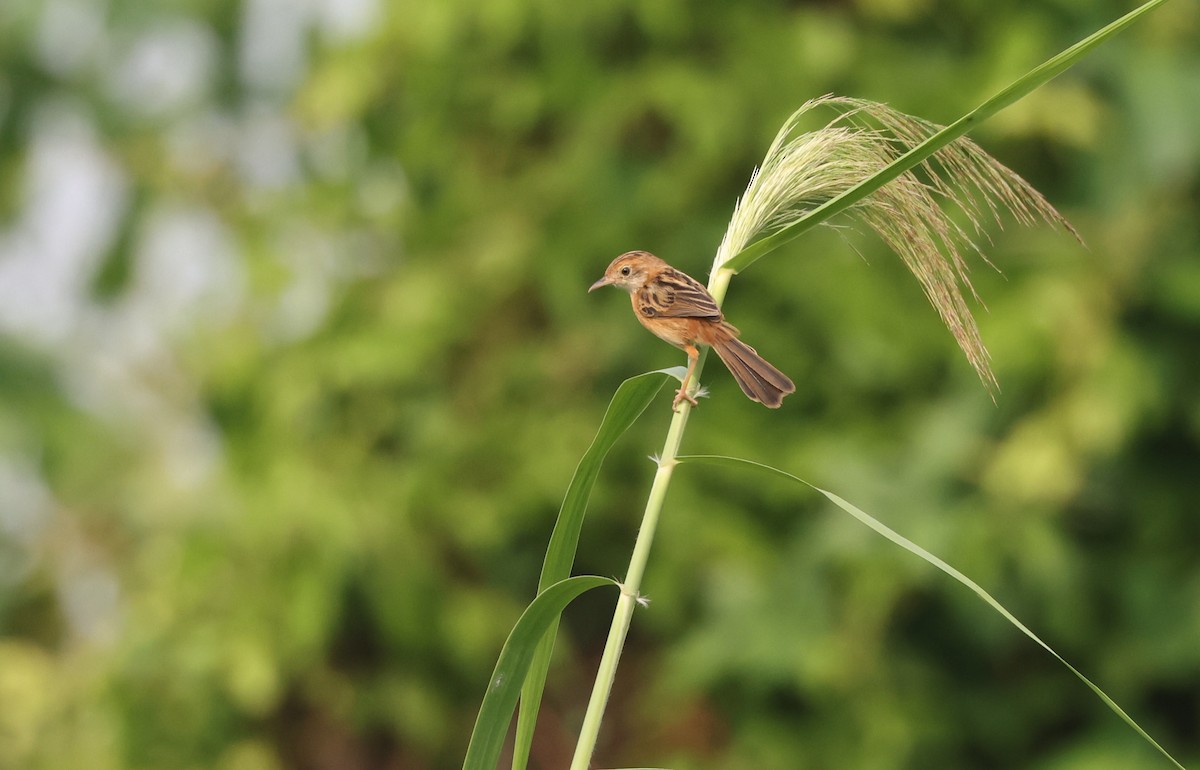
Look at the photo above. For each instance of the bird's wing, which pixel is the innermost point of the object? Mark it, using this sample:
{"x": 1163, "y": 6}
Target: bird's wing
{"x": 673, "y": 294}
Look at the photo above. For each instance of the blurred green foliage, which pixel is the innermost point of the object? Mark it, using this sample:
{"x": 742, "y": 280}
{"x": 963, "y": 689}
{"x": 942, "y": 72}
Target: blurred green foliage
{"x": 296, "y": 362}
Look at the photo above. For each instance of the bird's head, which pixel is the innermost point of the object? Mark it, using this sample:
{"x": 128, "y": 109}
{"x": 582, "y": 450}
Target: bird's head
{"x": 630, "y": 271}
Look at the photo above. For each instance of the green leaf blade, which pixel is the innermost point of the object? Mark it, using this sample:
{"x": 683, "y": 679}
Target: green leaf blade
{"x": 913, "y": 548}
{"x": 504, "y": 688}
{"x": 627, "y": 404}
{"x": 632, "y": 398}
{"x": 1024, "y": 85}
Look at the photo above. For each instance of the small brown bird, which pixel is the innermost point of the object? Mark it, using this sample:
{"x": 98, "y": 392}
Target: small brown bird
{"x": 678, "y": 309}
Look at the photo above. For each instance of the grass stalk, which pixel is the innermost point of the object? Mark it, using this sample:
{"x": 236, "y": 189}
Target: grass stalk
{"x": 803, "y": 183}
{"x": 631, "y": 587}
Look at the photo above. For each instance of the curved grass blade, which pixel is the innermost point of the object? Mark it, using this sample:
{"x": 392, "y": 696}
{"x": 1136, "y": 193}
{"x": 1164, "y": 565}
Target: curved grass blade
{"x": 628, "y": 403}
{"x": 495, "y": 714}
{"x": 913, "y": 548}
{"x": 1032, "y": 80}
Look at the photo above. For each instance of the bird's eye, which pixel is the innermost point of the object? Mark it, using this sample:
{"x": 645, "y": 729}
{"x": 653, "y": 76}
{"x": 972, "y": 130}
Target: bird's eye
{"x": 625, "y": 270}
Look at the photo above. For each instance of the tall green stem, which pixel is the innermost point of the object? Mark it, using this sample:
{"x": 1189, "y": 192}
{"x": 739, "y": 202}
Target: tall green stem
{"x": 631, "y": 587}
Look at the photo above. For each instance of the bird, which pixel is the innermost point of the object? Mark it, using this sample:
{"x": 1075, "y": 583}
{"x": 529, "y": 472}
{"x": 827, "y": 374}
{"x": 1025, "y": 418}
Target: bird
{"x": 678, "y": 309}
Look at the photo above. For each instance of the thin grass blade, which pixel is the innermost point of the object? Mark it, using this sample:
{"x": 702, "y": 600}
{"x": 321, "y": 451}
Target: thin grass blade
{"x": 504, "y": 689}
{"x": 913, "y": 548}
{"x": 1035, "y": 78}
{"x": 628, "y": 403}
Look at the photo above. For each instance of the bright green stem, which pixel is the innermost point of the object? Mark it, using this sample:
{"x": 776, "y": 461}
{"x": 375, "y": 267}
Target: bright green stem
{"x": 631, "y": 587}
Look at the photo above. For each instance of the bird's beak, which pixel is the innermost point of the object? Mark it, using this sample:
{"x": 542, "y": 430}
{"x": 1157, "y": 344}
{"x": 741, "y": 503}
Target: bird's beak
{"x": 604, "y": 281}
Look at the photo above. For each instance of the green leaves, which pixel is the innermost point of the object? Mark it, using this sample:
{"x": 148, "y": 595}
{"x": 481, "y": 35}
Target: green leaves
{"x": 504, "y": 688}
{"x": 917, "y": 550}
{"x": 628, "y": 403}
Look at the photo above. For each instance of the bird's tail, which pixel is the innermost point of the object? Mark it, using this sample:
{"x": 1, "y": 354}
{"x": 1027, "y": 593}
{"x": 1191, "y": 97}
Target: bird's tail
{"x": 758, "y": 379}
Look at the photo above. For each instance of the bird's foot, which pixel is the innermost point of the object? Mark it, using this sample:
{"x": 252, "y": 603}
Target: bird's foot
{"x": 681, "y": 396}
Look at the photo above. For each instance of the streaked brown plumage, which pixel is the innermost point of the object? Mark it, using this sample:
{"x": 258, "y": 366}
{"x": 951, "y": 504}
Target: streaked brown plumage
{"x": 678, "y": 309}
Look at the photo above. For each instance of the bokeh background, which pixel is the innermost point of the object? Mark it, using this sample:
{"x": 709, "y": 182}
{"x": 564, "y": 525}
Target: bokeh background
{"x": 296, "y": 361}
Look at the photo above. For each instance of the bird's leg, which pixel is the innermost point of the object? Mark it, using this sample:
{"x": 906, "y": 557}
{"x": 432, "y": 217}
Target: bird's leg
{"x": 681, "y": 395}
